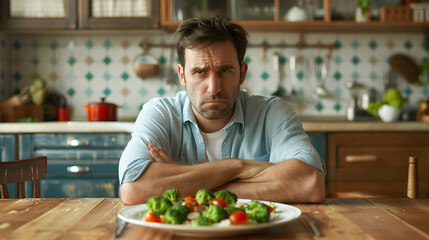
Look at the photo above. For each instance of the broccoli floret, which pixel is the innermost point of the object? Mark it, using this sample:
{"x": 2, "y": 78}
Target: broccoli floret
{"x": 183, "y": 209}
{"x": 204, "y": 196}
{"x": 258, "y": 211}
{"x": 231, "y": 208}
{"x": 172, "y": 194}
{"x": 215, "y": 213}
{"x": 203, "y": 221}
{"x": 158, "y": 204}
{"x": 227, "y": 196}
{"x": 174, "y": 216}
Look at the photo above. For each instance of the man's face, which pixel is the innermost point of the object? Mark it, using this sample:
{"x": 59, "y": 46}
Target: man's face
{"x": 212, "y": 77}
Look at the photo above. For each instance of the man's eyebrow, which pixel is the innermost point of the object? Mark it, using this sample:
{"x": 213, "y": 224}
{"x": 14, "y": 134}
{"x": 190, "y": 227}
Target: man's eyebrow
{"x": 198, "y": 68}
{"x": 227, "y": 66}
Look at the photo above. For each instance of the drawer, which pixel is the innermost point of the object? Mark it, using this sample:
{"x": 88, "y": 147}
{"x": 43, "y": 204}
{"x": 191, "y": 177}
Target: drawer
{"x": 361, "y": 157}
{"x": 79, "y": 140}
{"x": 78, "y": 154}
{"x": 74, "y": 146}
{"x": 79, "y": 187}
{"x": 77, "y": 169}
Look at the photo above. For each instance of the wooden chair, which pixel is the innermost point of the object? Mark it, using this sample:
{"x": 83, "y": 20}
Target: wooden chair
{"x": 413, "y": 179}
{"x": 19, "y": 171}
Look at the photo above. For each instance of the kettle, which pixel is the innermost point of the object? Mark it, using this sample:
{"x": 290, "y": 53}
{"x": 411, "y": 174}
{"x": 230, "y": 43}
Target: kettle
{"x": 359, "y": 102}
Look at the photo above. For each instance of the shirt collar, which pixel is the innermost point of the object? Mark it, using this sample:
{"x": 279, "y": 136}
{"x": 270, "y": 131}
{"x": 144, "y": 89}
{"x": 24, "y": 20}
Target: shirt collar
{"x": 188, "y": 114}
{"x": 238, "y": 117}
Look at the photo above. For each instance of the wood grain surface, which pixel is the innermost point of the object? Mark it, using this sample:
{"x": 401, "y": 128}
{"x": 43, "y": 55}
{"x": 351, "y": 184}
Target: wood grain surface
{"x": 95, "y": 218}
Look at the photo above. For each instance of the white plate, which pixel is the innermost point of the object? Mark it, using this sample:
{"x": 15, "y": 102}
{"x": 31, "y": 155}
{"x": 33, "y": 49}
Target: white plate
{"x": 286, "y": 213}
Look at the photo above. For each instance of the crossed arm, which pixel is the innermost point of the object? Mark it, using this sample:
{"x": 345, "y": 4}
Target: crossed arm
{"x": 289, "y": 181}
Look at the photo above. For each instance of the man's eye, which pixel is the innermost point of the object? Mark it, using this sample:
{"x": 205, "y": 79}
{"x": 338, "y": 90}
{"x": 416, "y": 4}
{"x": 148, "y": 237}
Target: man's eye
{"x": 225, "y": 71}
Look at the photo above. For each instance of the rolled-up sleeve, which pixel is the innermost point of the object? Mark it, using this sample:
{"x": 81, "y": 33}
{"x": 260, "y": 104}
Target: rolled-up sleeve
{"x": 150, "y": 127}
{"x": 289, "y": 139}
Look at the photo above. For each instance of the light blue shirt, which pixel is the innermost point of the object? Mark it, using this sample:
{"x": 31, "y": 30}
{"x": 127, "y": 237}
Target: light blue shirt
{"x": 263, "y": 129}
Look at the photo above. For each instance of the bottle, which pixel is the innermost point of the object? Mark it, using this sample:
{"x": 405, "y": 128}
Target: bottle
{"x": 62, "y": 110}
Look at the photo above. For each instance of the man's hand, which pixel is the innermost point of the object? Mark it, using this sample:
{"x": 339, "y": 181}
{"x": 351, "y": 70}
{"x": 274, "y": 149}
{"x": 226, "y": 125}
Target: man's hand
{"x": 160, "y": 155}
{"x": 252, "y": 168}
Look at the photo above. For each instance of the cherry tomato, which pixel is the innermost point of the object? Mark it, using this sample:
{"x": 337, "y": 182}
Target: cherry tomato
{"x": 238, "y": 218}
{"x": 191, "y": 203}
{"x": 220, "y": 202}
{"x": 270, "y": 208}
{"x": 152, "y": 217}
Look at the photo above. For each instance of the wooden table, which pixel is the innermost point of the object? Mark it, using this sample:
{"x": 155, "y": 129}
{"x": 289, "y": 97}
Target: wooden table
{"x": 94, "y": 218}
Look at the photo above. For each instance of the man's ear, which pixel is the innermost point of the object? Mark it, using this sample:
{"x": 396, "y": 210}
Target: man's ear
{"x": 243, "y": 71}
{"x": 181, "y": 74}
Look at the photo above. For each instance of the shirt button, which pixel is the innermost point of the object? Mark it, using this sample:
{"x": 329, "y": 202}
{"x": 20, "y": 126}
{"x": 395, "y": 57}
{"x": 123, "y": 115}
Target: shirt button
{"x": 201, "y": 141}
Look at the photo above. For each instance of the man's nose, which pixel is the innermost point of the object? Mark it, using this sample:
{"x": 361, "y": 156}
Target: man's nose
{"x": 213, "y": 84}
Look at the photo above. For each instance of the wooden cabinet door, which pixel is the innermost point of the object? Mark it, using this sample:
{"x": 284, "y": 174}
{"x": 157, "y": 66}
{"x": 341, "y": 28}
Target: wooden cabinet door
{"x": 101, "y": 14}
{"x": 22, "y": 15}
{"x": 375, "y": 163}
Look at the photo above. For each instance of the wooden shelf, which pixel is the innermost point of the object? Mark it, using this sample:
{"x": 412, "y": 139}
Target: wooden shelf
{"x": 322, "y": 26}
{"x": 325, "y": 25}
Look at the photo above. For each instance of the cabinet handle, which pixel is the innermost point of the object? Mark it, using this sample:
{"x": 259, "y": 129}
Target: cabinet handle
{"x": 78, "y": 169}
{"x": 361, "y": 158}
{"x": 76, "y": 143}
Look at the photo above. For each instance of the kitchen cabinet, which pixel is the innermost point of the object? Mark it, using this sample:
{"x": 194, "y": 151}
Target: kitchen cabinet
{"x": 79, "y": 14}
{"x": 272, "y": 15}
{"x": 319, "y": 143}
{"x": 8, "y": 153}
{"x": 79, "y": 164}
{"x": 7, "y": 147}
{"x": 133, "y": 14}
{"x": 376, "y": 162}
{"x": 38, "y": 14}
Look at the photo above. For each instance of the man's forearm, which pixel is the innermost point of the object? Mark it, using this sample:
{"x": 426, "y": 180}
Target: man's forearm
{"x": 291, "y": 181}
{"x": 159, "y": 177}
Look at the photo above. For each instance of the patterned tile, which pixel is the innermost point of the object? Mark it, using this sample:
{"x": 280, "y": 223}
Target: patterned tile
{"x": 88, "y": 67}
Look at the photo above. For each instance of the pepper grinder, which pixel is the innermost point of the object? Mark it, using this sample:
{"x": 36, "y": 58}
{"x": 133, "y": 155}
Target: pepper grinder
{"x": 413, "y": 180}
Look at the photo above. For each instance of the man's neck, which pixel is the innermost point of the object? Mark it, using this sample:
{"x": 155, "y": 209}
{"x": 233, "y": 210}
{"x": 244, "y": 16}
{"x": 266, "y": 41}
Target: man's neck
{"x": 210, "y": 126}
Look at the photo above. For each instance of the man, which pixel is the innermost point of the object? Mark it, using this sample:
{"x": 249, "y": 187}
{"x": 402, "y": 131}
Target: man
{"x": 215, "y": 136}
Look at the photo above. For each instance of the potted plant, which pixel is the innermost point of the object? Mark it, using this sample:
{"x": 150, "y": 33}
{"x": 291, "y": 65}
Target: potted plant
{"x": 390, "y": 107}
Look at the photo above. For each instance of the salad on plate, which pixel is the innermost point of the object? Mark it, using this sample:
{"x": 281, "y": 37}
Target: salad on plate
{"x": 206, "y": 208}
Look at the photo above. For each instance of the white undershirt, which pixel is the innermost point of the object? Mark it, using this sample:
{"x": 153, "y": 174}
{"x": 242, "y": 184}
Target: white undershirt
{"x": 213, "y": 143}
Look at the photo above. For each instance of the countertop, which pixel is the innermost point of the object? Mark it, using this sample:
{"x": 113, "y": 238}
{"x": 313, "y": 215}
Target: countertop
{"x": 94, "y": 218}
{"x": 127, "y": 127}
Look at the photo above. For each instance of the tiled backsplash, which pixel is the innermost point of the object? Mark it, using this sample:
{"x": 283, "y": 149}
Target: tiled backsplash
{"x": 87, "y": 67}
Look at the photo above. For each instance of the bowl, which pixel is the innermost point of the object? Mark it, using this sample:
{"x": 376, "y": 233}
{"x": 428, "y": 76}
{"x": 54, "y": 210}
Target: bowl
{"x": 389, "y": 113}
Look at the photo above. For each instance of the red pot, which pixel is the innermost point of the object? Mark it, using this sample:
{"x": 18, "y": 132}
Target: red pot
{"x": 101, "y": 111}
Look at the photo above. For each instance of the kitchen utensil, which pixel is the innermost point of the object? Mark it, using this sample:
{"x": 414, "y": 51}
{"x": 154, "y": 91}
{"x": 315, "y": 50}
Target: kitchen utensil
{"x": 309, "y": 220}
{"x": 171, "y": 80}
{"x": 356, "y": 111}
{"x": 121, "y": 227}
{"x": 145, "y": 65}
{"x": 292, "y": 66}
{"x": 101, "y": 111}
{"x": 390, "y": 79}
{"x": 321, "y": 90}
{"x": 405, "y": 66}
{"x": 276, "y": 66}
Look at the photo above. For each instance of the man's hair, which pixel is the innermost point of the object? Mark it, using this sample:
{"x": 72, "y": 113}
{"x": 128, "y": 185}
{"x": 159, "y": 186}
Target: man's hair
{"x": 197, "y": 33}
